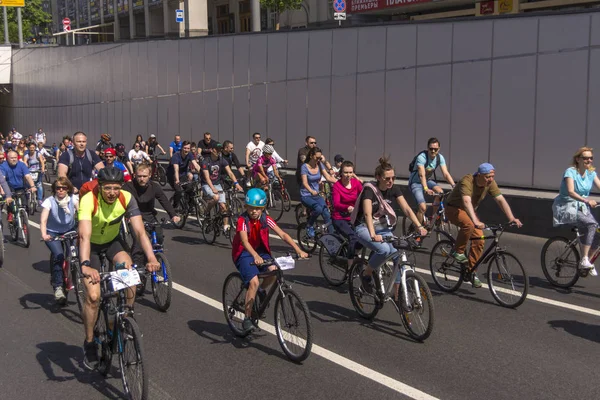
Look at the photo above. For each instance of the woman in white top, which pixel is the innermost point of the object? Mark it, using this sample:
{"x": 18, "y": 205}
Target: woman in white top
{"x": 137, "y": 156}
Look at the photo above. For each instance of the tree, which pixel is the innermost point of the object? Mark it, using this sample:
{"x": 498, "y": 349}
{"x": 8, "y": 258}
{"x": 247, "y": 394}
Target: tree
{"x": 33, "y": 15}
{"x": 280, "y": 6}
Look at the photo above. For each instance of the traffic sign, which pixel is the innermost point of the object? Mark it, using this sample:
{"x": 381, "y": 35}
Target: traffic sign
{"x": 66, "y": 24}
{"x": 339, "y": 16}
{"x": 339, "y": 6}
{"x": 179, "y": 16}
{"x": 12, "y": 3}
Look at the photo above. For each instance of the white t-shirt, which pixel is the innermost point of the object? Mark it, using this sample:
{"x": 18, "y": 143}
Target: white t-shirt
{"x": 17, "y": 135}
{"x": 40, "y": 137}
{"x": 138, "y": 156}
{"x": 255, "y": 151}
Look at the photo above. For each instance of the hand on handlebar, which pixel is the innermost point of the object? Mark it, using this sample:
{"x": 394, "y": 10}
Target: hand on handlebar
{"x": 91, "y": 273}
{"x": 303, "y": 254}
{"x": 429, "y": 192}
{"x": 46, "y": 237}
{"x": 377, "y": 238}
{"x": 516, "y": 222}
{"x": 479, "y": 224}
{"x": 152, "y": 266}
{"x": 593, "y": 203}
{"x": 423, "y": 231}
{"x": 176, "y": 219}
{"x": 258, "y": 260}
{"x": 9, "y": 200}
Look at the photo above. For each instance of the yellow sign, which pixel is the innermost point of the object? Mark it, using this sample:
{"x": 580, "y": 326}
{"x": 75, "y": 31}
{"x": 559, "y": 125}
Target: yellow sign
{"x": 505, "y": 6}
{"x": 12, "y": 3}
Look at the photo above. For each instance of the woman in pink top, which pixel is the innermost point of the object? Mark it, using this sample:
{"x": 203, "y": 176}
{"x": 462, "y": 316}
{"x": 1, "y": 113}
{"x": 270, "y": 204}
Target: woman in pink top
{"x": 345, "y": 192}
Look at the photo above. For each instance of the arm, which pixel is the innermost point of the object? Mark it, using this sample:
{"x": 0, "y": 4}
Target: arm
{"x": 146, "y": 156}
{"x": 97, "y": 167}
{"x": 196, "y": 165}
{"x": 30, "y": 182}
{"x": 447, "y": 175}
{"x": 209, "y": 183}
{"x": 328, "y": 177}
{"x": 247, "y": 156}
{"x": 305, "y": 185}
{"x": 324, "y": 161}
{"x": 161, "y": 149}
{"x": 42, "y": 163}
{"x": 286, "y": 238}
{"x": 367, "y": 208}
{"x": 176, "y": 173}
{"x": 571, "y": 190}
{"x": 233, "y": 179}
{"x": 236, "y": 162}
{"x": 62, "y": 170}
{"x": 337, "y": 200}
{"x": 164, "y": 202}
{"x": 140, "y": 233}
{"x": 410, "y": 214}
{"x": 43, "y": 223}
{"x": 471, "y": 212}
{"x": 423, "y": 178}
{"x": 244, "y": 239}
{"x": 5, "y": 188}
{"x": 85, "y": 234}
{"x": 170, "y": 152}
{"x": 501, "y": 201}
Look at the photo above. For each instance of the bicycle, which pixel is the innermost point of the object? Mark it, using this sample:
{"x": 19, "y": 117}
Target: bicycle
{"x": 275, "y": 203}
{"x": 191, "y": 201}
{"x": 32, "y": 203}
{"x": 158, "y": 174}
{"x": 560, "y": 260}
{"x": 307, "y": 243}
{"x": 49, "y": 168}
{"x": 19, "y": 226}
{"x": 2, "y": 203}
{"x": 72, "y": 277}
{"x": 291, "y": 312}
{"x": 279, "y": 185}
{"x": 301, "y": 212}
{"x": 117, "y": 332}
{"x": 449, "y": 274}
{"x": 438, "y": 223}
{"x": 397, "y": 281}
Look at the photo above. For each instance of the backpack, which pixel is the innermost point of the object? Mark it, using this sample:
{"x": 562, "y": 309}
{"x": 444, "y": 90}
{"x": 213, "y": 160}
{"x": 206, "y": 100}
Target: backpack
{"x": 411, "y": 166}
{"x": 92, "y": 186}
{"x": 88, "y": 154}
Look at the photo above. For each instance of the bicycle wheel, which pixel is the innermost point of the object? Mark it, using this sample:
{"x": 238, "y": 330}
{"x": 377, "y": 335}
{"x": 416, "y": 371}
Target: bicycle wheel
{"x": 445, "y": 226}
{"x": 234, "y": 302}
{"x": 101, "y": 336}
{"x": 334, "y": 268}
{"x": 276, "y": 208}
{"x": 78, "y": 284}
{"x": 47, "y": 175}
{"x": 12, "y": 228}
{"x": 32, "y": 204}
{"x": 25, "y": 228}
{"x": 365, "y": 303}
{"x": 560, "y": 262}
{"x": 306, "y": 243}
{"x": 182, "y": 212}
{"x": 300, "y": 213}
{"x": 161, "y": 174}
{"x": 126, "y": 234}
{"x": 292, "y": 325}
{"x": 287, "y": 200}
{"x": 446, "y": 272}
{"x": 131, "y": 360}
{"x": 507, "y": 279}
{"x": 209, "y": 227}
{"x": 161, "y": 289}
{"x": 406, "y": 226}
{"x": 2, "y": 246}
{"x": 418, "y": 318}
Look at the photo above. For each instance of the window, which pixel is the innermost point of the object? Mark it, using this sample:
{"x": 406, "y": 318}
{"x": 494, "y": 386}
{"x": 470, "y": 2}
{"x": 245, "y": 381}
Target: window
{"x": 245, "y": 16}
{"x": 223, "y": 19}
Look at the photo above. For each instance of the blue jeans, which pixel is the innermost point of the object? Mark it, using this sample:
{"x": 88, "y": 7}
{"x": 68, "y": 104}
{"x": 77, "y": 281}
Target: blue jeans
{"x": 318, "y": 207}
{"x": 381, "y": 250}
{"x": 345, "y": 228}
{"x": 59, "y": 257}
{"x": 417, "y": 190}
{"x": 40, "y": 187}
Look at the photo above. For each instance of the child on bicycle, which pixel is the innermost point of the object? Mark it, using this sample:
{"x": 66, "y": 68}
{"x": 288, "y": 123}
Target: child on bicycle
{"x": 251, "y": 248}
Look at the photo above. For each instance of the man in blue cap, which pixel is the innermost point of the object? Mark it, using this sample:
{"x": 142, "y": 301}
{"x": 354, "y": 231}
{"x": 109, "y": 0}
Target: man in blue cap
{"x": 460, "y": 210}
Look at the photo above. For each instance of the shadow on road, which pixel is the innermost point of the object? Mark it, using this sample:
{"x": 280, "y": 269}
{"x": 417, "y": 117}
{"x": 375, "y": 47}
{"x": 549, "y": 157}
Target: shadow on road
{"x": 218, "y": 333}
{"x": 62, "y": 362}
{"x": 542, "y": 283}
{"x": 317, "y": 281}
{"x": 463, "y": 294}
{"x": 42, "y": 266}
{"x": 576, "y": 328}
{"x": 35, "y": 301}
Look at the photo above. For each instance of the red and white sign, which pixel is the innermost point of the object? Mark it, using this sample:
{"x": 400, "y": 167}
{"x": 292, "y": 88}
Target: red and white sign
{"x": 361, "y": 6}
{"x": 66, "y": 24}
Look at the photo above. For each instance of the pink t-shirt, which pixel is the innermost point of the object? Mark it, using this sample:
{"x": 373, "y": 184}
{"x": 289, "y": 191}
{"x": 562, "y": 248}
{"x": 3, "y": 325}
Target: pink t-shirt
{"x": 265, "y": 164}
{"x": 344, "y": 198}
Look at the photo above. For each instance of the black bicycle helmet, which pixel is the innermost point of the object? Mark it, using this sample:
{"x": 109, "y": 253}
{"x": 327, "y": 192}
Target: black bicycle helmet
{"x": 120, "y": 148}
{"x": 110, "y": 175}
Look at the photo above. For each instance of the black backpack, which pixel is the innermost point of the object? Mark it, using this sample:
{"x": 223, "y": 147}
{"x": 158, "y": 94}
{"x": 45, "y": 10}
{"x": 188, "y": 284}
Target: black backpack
{"x": 411, "y": 166}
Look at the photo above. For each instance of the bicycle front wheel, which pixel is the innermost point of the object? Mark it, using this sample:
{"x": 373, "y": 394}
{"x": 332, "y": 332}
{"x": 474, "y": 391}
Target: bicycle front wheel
{"x": 234, "y": 303}
{"x": 293, "y": 326}
{"x": 161, "y": 289}
{"x": 101, "y": 337}
{"x": 78, "y": 284}
{"x": 209, "y": 227}
{"x": 25, "y": 228}
{"x": 305, "y": 242}
{"x": 287, "y": 200}
{"x": 560, "y": 262}
{"x": 300, "y": 213}
{"x": 363, "y": 300}
{"x": 334, "y": 268}
{"x": 418, "y": 315}
{"x": 446, "y": 272}
{"x": 507, "y": 280}
{"x": 2, "y": 246}
{"x": 161, "y": 174}
{"x": 182, "y": 212}
{"x": 131, "y": 360}
{"x": 276, "y": 206}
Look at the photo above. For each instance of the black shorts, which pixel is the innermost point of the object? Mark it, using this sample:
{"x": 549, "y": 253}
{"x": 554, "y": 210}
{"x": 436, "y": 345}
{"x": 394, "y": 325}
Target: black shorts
{"x": 111, "y": 249}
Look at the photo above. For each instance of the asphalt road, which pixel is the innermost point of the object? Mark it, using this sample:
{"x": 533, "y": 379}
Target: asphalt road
{"x": 477, "y": 350}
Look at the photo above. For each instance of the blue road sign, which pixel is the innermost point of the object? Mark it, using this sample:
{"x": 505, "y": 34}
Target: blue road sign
{"x": 339, "y": 6}
{"x": 179, "y": 16}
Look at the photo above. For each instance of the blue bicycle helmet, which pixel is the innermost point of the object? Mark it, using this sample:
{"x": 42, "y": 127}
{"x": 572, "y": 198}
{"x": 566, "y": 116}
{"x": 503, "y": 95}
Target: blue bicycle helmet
{"x": 256, "y": 198}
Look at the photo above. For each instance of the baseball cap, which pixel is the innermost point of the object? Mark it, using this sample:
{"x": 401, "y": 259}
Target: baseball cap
{"x": 485, "y": 168}
{"x": 110, "y": 151}
{"x": 338, "y": 158}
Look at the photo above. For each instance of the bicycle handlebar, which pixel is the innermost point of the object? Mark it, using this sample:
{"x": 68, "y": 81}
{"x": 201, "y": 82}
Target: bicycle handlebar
{"x": 498, "y": 227}
{"x": 66, "y": 236}
{"x": 272, "y": 261}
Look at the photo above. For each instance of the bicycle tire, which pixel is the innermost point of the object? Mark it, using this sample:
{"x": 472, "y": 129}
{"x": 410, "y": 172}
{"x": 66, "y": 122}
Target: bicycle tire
{"x": 101, "y": 337}
{"x": 446, "y": 226}
{"x": 200, "y": 210}
{"x": 297, "y": 315}
{"x": 276, "y": 209}
{"x": 300, "y": 213}
{"x": 161, "y": 175}
{"x": 182, "y": 211}
{"x": 333, "y": 274}
{"x": 287, "y": 200}
{"x": 25, "y": 229}
{"x": 234, "y": 301}
{"x": 358, "y": 295}
{"x": 209, "y": 227}
{"x": 500, "y": 276}
{"x": 162, "y": 290}
{"x": 12, "y": 228}
{"x": 307, "y": 244}
{"x": 446, "y": 272}
{"x": 406, "y": 224}
{"x": 78, "y": 285}
{"x": 131, "y": 360}
{"x": 552, "y": 267}
{"x": 1, "y": 245}
{"x": 427, "y": 305}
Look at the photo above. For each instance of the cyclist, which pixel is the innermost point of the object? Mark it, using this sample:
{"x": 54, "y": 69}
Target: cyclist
{"x": 573, "y": 205}
{"x": 4, "y": 190}
{"x": 311, "y": 142}
{"x": 278, "y": 159}
{"x": 175, "y": 146}
{"x": 36, "y": 163}
{"x": 229, "y": 156}
{"x": 21, "y": 149}
{"x": 137, "y": 156}
{"x": 311, "y": 172}
{"x": 179, "y": 170}
{"x": 374, "y": 217}
{"x": 344, "y": 195}
{"x": 122, "y": 157}
{"x": 151, "y": 146}
{"x": 40, "y": 137}
{"x": 251, "y": 248}
{"x": 265, "y": 163}
{"x": 16, "y": 173}
{"x": 254, "y": 150}
{"x": 78, "y": 164}
{"x": 205, "y": 146}
{"x": 100, "y": 214}
{"x": 146, "y": 192}
{"x": 212, "y": 171}
{"x": 139, "y": 139}
{"x": 58, "y": 218}
{"x": 104, "y": 143}
{"x": 422, "y": 169}
{"x": 110, "y": 157}
{"x": 460, "y": 210}
{"x": 46, "y": 153}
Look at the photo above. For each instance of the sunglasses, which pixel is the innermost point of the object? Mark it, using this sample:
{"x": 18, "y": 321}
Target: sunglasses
{"x": 62, "y": 188}
{"x": 390, "y": 178}
{"x": 587, "y": 158}
{"x": 319, "y": 158}
{"x": 312, "y": 142}
{"x": 434, "y": 150}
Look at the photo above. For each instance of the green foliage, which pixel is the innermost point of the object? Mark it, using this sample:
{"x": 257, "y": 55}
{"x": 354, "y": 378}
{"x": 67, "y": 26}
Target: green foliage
{"x": 281, "y": 5}
{"x": 32, "y": 15}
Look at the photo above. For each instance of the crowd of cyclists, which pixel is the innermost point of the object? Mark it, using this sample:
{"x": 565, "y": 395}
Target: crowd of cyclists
{"x": 94, "y": 190}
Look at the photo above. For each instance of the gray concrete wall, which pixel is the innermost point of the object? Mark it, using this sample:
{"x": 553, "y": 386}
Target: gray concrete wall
{"x": 522, "y": 93}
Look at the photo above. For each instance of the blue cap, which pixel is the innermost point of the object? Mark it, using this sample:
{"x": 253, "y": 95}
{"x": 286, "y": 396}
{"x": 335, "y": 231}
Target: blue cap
{"x": 485, "y": 168}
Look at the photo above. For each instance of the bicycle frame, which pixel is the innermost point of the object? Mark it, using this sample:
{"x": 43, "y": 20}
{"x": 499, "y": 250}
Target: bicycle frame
{"x": 397, "y": 257}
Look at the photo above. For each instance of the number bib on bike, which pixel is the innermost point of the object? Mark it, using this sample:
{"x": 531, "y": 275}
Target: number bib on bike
{"x": 331, "y": 243}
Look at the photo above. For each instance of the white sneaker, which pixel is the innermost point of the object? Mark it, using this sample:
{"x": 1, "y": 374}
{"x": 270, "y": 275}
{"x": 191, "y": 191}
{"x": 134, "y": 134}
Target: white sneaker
{"x": 593, "y": 272}
{"x": 586, "y": 264}
{"x": 59, "y": 295}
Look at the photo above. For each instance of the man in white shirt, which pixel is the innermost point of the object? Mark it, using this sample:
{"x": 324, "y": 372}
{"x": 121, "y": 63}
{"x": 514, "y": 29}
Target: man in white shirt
{"x": 40, "y": 137}
{"x": 254, "y": 150}
{"x": 16, "y": 135}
